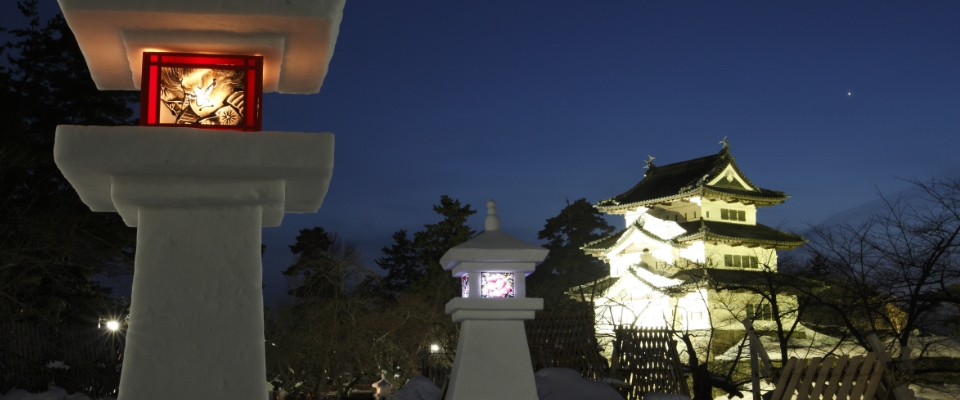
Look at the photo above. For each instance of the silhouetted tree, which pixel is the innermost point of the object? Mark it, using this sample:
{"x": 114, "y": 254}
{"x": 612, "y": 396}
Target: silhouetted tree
{"x": 51, "y": 245}
{"x": 567, "y": 265}
{"x": 415, "y": 264}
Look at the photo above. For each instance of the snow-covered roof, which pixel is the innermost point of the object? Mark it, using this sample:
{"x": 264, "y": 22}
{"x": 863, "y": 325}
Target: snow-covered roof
{"x": 295, "y": 37}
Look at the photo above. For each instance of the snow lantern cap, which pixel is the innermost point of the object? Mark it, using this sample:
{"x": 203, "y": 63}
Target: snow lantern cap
{"x": 295, "y": 37}
{"x": 493, "y": 250}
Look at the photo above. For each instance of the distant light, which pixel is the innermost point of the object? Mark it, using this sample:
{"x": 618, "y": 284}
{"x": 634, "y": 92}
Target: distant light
{"x": 113, "y": 325}
{"x": 849, "y": 93}
{"x": 434, "y": 348}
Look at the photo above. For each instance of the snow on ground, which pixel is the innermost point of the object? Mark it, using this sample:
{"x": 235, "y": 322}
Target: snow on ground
{"x": 950, "y": 391}
{"x": 53, "y": 393}
{"x": 566, "y": 384}
{"x": 818, "y": 345}
{"x": 552, "y": 384}
{"x": 418, "y": 388}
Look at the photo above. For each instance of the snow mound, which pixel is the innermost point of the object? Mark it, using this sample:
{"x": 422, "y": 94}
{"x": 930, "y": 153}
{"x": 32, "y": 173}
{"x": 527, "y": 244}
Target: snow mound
{"x": 552, "y": 384}
{"x": 417, "y": 388}
{"x": 566, "y": 384}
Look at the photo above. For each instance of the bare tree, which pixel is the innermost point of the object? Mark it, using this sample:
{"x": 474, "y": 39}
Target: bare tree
{"x": 895, "y": 272}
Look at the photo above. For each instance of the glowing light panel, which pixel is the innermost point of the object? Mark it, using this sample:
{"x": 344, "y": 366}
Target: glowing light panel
{"x": 465, "y": 286}
{"x": 496, "y": 284}
{"x": 208, "y": 91}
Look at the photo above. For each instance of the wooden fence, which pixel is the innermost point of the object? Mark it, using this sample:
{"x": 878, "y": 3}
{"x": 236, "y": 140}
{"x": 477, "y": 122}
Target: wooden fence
{"x": 647, "y": 360}
{"x": 566, "y": 340}
{"x": 93, "y": 356}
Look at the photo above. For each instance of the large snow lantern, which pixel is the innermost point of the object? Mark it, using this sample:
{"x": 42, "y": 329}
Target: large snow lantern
{"x": 210, "y": 91}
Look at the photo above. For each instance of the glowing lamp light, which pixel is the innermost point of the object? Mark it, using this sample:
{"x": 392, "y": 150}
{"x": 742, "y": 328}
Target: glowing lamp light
{"x": 113, "y": 325}
{"x": 434, "y": 348}
{"x": 210, "y": 91}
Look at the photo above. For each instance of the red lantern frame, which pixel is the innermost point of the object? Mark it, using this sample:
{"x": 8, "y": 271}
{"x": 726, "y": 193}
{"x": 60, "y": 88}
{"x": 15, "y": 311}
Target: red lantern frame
{"x": 152, "y": 105}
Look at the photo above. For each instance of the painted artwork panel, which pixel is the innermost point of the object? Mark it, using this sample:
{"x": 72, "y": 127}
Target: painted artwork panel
{"x": 210, "y": 91}
{"x": 496, "y": 285}
{"x": 465, "y": 286}
{"x": 202, "y": 96}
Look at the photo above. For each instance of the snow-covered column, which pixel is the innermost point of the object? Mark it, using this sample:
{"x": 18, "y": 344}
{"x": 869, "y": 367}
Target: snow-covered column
{"x": 199, "y": 199}
{"x": 493, "y": 360}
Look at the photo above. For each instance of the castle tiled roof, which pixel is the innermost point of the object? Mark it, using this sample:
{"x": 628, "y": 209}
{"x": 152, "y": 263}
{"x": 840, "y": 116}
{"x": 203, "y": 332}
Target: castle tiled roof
{"x": 687, "y": 179}
{"x": 722, "y": 278}
{"x": 730, "y": 233}
{"x": 758, "y": 234}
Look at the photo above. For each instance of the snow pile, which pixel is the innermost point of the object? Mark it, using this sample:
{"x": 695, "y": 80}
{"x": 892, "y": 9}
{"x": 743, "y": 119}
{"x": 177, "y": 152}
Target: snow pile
{"x": 566, "y": 384}
{"x": 418, "y": 388}
{"x": 53, "y": 393}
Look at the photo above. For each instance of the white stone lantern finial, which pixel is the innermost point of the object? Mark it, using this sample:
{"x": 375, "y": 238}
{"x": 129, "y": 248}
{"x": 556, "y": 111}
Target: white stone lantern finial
{"x": 492, "y": 223}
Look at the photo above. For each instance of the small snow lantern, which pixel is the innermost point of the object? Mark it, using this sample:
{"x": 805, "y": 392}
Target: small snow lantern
{"x": 211, "y": 91}
{"x": 494, "y": 272}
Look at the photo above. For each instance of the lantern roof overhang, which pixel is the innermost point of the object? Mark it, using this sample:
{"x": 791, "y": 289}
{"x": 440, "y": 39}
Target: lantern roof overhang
{"x": 122, "y": 168}
{"x": 493, "y": 247}
{"x": 295, "y": 37}
{"x": 497, "y": 250}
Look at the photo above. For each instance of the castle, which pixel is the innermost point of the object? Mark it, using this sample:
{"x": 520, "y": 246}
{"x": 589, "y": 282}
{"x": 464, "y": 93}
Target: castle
{"x": 690, "y": 230}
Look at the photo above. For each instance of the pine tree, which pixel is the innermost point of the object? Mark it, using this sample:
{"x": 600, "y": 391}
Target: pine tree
{"x": 567, "y": 265}
{"x": 51, "y": 244}
{"x": 415, "y": 264}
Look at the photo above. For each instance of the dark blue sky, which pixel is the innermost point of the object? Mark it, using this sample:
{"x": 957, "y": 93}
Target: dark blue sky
{"x": 532, "y": 103}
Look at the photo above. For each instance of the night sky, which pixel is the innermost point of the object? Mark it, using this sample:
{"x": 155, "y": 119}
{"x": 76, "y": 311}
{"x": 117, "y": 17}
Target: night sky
{"x": 533, "y": 103}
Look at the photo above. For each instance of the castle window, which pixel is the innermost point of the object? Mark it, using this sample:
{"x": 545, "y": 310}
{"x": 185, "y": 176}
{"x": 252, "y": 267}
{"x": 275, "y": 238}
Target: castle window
{"x": 763, "y": 312}
{"x": 733, "y": 215}
{"x": 735, "y": 261}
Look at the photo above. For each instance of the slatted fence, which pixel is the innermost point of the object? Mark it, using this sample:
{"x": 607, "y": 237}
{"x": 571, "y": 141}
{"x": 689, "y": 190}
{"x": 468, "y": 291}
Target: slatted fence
{"x": 566, "y": 340}
{"x": 647, "y": 360}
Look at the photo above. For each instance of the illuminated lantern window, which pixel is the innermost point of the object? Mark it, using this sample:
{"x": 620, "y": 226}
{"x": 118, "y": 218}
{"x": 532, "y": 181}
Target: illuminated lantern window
{"x": 465, "y": 286}
{"x": 209, "y": 91}
{"x": 496, "y": 284}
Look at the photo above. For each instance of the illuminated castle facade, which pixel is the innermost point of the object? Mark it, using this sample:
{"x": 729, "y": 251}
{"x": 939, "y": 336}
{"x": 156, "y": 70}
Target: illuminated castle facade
{"x": 690, "y": 231}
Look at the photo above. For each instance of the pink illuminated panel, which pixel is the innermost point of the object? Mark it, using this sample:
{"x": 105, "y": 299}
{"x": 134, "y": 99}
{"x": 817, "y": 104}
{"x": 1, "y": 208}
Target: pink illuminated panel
{"x": 209, "y": 91}
{"x": 496, "y": 284}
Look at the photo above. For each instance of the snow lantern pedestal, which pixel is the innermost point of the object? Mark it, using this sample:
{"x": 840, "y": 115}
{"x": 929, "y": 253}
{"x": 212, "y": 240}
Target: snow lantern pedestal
{"x": 203, "y": 180}
{"x": 493, "y": 359}
{"x": 199, "y": 201}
